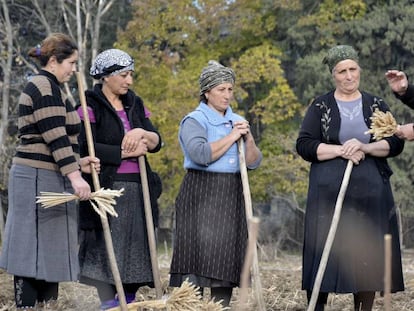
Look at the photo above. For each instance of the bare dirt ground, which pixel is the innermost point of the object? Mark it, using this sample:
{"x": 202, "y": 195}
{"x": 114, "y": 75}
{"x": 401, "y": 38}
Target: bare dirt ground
{"x": 280, "y": 280}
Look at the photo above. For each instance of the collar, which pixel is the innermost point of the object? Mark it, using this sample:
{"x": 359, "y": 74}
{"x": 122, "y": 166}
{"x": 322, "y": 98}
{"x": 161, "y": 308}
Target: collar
{"x": 49, "y": 75}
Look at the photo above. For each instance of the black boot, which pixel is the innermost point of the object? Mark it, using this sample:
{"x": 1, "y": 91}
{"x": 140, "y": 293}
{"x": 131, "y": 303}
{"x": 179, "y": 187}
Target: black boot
{"x": 363, "y": 301}
{"x": 223, "y": 294}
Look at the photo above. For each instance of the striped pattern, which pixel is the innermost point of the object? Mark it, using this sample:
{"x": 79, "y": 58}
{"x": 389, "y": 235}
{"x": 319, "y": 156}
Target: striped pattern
{"x": 211, "y": 231}
{"x": 48, "y": 127}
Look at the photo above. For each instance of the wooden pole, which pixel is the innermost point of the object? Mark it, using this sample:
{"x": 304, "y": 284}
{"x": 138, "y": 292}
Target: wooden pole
{"x": 104, "y": 220}
{"x": 330, "y": 237}
{"x": 150, "y": 226}
{"x": 248, "y": 259}
{"x": 249, "y": 214}
{"x": 387, "y": 272}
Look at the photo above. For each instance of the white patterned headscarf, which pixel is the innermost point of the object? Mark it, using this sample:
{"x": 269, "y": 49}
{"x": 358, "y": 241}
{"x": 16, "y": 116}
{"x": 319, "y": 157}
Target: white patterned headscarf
{"x": 111, "y": 62}
{"x": 215, "y": 74}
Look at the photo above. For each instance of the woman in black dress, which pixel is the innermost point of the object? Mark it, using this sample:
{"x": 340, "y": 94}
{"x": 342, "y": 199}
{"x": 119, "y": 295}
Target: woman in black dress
{"x": 333, "y": 132}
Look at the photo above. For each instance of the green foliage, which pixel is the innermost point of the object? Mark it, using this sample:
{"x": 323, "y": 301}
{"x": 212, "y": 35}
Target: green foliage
{"x": 275, "y": 48}
{"x": 173, "y": 40}
{"x": 281, "y": 165}
{"x": 382, "y": 32}
{"x": 330, "y": 16}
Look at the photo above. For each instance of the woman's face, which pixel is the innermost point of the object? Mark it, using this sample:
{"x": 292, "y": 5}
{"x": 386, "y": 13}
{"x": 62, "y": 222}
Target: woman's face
{"x": 119, "y": 84}
{"x": 219, "y": 97}
{"x": 346, "y": 75}
{"x": 63, "y": 71}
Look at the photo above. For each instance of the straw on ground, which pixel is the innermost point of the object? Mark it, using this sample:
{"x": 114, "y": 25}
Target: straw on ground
{"x": 187, "y": 297}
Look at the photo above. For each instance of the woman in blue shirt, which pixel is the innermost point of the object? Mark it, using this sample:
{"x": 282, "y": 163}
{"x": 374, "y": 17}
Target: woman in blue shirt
{"x": 211, "y": 230}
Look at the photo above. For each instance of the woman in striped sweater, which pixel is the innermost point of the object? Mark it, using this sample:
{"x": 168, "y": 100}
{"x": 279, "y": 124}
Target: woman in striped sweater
{"x": 40, "y": 245}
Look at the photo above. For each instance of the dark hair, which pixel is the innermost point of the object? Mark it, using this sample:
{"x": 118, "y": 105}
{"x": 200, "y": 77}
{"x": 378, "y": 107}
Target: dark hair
{"x": 203, "y": 98}
{"x": 56, "y": 44}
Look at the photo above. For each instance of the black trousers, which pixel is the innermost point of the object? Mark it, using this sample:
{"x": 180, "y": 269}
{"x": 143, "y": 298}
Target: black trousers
{"x": 28, "y": 291}
{"x": 107, "y": 291}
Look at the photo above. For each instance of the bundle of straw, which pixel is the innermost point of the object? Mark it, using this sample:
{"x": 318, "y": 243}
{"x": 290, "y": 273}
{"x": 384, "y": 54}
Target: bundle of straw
{"x": 187, "y": 297}
{"x": 383, "y": 125}
{"x": 103, "y": 197}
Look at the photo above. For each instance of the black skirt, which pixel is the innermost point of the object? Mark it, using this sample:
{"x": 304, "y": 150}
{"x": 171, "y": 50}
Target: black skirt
{"x": 211, "y": 231}
{"x": 130, "y": 242}
{"x": 356, "y": 260}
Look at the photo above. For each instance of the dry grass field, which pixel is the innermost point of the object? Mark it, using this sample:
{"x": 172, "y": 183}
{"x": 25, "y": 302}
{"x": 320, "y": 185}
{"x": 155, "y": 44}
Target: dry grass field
{"x": 280, "y": 280}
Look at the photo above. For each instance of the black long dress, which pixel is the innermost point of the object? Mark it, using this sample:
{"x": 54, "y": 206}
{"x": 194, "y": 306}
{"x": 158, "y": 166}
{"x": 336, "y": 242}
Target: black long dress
{"x": 356, "y": 261}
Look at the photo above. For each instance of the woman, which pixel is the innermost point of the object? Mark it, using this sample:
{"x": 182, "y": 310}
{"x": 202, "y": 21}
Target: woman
{"x": 333, "y": 132}
{"x": 122, "y": 131}
{"x": 40, "y": 245}
{"x": 211, "y": 231}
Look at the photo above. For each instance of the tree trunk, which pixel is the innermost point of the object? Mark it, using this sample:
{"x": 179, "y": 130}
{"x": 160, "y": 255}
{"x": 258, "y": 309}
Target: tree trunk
{"x": 6, "y": 65}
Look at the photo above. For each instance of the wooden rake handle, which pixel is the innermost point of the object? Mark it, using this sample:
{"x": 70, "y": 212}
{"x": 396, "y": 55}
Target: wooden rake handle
{"x": 104, "y": 220}
{"x": 150, "y": 226}
{"x": 249, "y": 214}
{"x": 330, "y": 237}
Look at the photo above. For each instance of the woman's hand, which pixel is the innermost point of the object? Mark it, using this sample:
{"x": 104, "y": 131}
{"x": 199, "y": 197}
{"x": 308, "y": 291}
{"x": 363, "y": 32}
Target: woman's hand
{"x": 80, "y": 187}
{"x": 405, "y": 131}
{"x": 356, "y": 157}
{"x": 132, "y": 139}
{"x": 397, "y": 80}
{"x": 351, "y": 146}
{"x": 240, "y": 128}
{"x": 141, "y": 149}
{"x": 85, "y": 164}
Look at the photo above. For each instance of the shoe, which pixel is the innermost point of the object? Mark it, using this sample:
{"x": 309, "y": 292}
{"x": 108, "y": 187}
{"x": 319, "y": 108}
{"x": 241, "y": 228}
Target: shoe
{"x": 129, "y": 297}
{"x": 108, "y": 304}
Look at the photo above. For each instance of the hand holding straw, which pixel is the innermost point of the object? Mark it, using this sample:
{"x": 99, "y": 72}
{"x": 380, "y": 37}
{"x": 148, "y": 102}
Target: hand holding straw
{"x": 104, "y": 199}
{"x": 104, "y": 220}
{"x": 383, "y": 124}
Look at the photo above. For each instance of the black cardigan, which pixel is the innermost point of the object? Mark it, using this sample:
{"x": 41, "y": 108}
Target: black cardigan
{"x": 322, "y": 123}
{"x": 108, "y": 132}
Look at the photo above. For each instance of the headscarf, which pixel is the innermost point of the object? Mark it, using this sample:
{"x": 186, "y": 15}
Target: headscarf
{"x": 111, "y": 62}
{"x": 339, "y": 53}
{"x": 215, "y": 74}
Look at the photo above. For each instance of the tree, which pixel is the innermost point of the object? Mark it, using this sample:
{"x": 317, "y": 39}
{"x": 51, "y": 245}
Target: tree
{"x": 6, "y": 45}
{"x": 173, "y": 40}
{"x": 23, "y": 24}
{"x": 381, "y": 32}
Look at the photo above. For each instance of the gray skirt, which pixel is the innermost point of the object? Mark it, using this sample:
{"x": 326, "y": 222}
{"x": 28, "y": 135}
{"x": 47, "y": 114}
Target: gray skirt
{"x": 39, "y": 243}
{"x": 211, "y": 232}
{"x": 130, "y": 241}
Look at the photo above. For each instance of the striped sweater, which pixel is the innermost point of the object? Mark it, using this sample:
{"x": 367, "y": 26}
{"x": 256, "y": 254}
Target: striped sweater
{"x": 48, "y": 127}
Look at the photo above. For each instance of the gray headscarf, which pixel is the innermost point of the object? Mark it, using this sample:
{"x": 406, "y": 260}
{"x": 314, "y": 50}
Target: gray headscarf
{"x": 111, "y": 62}
{"x": 339, "y": 53}
{"x": 215, "y": 74}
